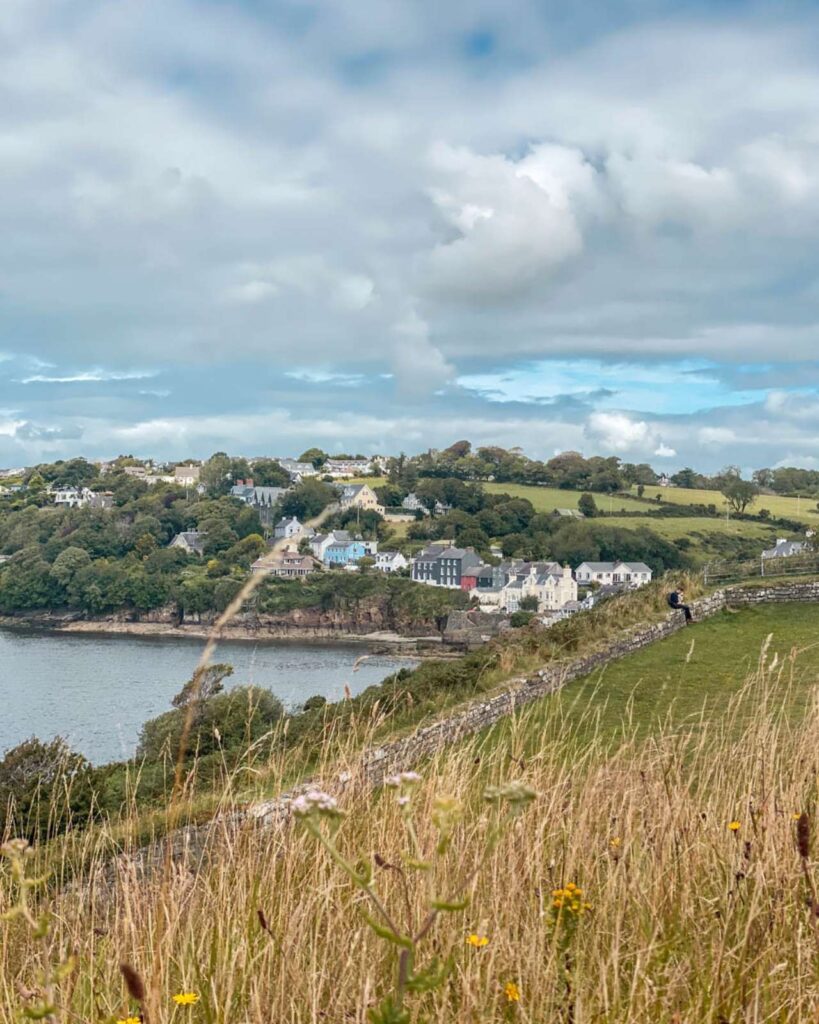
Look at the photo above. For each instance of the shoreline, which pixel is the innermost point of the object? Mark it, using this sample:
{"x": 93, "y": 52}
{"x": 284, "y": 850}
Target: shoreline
{"x": 391, "y": 642}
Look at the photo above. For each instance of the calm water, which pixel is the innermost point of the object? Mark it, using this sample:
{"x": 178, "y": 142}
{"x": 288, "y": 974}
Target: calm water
{"x": 96, "y": 691}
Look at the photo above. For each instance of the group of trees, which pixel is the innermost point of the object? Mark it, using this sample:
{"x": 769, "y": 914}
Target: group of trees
{"x": 569, "y": 470}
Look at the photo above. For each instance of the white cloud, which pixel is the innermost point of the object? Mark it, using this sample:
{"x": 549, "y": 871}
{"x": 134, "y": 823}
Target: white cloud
{"x": 720, "y": 436}
{"x": 663, "y": 451}
{"x": 90, "y": 377}
{"x": 618, "y": 432}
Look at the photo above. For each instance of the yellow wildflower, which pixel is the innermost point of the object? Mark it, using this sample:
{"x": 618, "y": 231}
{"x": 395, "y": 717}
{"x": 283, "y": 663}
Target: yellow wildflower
{"x": 478, "y": 941}
{"x": 186, "y": 998}
{"x": 569, "y": 900}
{"x": 129, "y": 1020}
{"x": 796, "y": 815}
{"x": 615, "y": 841}
{"x": 735, "y": 826}
{"x": 512, "y": 992}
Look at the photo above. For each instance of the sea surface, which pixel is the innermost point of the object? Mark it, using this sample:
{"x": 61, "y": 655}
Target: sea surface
{"x": 97, "y": 690}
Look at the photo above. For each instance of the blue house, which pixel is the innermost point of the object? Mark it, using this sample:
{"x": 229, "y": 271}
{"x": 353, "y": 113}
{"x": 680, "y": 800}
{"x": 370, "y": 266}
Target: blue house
{"x": 344, "y": 552}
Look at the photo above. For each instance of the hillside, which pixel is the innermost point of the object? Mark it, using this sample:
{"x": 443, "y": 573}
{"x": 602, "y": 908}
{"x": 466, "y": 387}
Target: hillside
{"x": 682, "y": 839}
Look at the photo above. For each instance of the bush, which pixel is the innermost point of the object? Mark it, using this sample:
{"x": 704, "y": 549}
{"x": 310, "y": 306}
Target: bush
{"x": 228, "y": 721}
{"x": 521, "y": 618}
{"x": 44, "y": 788}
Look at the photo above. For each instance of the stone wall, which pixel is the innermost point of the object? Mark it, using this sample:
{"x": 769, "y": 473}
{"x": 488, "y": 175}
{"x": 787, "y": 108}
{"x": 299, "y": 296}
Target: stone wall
{"x": 407, "y": 752}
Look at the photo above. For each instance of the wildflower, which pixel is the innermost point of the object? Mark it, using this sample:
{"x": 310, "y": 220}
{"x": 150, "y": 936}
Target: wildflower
{"x": 615, "y": 842}
{"x": 315, "y": 802}
{"x": 478, "y": 941}
{"x": 186, "y": 998}
{"x": 129, "y": 1020}
{"x": 402, "y": 779}
{"x": 514, "y": 793}
{"x": 796, "y": 815}
{"x": 569, "y": 901}
{"x": 734, "y": 826}
{"x": 403, "y": 801}
{"x": 512, "y": 992}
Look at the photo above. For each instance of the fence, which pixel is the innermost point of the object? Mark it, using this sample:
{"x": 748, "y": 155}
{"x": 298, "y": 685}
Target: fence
{"x": 795, "y": 565}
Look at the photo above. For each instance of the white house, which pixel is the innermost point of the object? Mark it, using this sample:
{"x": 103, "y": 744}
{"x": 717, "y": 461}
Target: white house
{"x": 412, "y": 503}
{"x": 553, "y": 586}
{"x": 390, "y": 561}
{"x": 346, "y": 467}
{"x": 630, "y": 574}
{"x": 192, "y": 542}
{"x": 785, "y": 549}
{"x": 298, "y": 470}
{"x": 287, "y": 529}
{"x": 187, "y": 476}
{"x": 82, "y": 497}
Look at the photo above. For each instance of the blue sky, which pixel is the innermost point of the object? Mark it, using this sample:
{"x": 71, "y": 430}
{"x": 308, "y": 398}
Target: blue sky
{"x": 390, "y": 224}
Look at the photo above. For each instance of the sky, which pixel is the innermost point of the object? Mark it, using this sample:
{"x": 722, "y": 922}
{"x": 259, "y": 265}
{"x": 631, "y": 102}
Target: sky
{"x": 385, "y": 225}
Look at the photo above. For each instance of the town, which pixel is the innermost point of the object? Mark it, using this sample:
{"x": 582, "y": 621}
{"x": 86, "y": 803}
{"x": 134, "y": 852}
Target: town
{"x": 424, "y": 519}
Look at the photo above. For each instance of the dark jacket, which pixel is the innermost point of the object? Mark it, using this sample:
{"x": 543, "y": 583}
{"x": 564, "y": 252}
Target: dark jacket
{"x": 674, "y": 600}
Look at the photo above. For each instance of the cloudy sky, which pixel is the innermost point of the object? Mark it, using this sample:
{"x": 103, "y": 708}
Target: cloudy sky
{"x": 378, "y": 225}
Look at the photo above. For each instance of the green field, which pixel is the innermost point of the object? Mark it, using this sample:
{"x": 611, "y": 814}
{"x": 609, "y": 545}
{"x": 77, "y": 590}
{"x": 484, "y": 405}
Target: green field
{"x": 803, "y": 509}
{"x": 694, "y": 675}
{"x": 547, "y": 499}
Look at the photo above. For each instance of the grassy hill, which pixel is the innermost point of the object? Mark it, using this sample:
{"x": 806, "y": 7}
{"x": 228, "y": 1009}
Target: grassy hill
{"x": 681, "y": 834}
{"x": 801, "y": 509}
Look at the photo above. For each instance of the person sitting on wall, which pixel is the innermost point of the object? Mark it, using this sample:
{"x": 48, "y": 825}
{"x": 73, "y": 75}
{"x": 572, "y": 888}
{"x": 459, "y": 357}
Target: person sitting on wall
{"x": 675, "y": 601}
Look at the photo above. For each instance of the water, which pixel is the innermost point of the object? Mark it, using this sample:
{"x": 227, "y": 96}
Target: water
{"x": 97, "y": 690}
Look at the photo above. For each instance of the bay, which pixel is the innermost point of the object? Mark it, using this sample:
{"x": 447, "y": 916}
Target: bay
{"x": 97, "y": 690}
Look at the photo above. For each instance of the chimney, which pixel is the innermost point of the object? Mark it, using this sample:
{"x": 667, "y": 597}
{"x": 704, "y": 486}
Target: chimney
{"x": 249, "y": 483}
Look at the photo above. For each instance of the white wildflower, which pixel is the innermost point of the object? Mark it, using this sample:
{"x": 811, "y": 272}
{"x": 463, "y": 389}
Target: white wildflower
{"x": 314, "y": 802}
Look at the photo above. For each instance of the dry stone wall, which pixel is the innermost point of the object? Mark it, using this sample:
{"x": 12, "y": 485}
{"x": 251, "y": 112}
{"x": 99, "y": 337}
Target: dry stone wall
{"x": 407, "y": 752}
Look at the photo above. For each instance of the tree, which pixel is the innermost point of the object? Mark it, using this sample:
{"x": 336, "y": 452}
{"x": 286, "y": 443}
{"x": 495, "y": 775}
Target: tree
{"x": 307, "y": 500}
{"x": 43, "y": 788}
{"x": 231, "y": 721}
{"x": 267, "y": 473}
{"x": 215, "y": 475}
{"x": 208, "y": 681}
{"x": 587, "y": 505}
{"x": 685, "y": 478}
{"x": 738, "y": 493}
{"x": 314, "y": 455}
{"x": 528, "y": 603}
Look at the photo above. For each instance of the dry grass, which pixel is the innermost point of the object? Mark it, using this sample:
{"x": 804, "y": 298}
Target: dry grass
{"x": 691, "y": 922}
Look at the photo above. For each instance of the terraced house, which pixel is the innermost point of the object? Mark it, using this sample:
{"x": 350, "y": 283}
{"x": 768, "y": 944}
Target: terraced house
{"x": 441, "y": 565}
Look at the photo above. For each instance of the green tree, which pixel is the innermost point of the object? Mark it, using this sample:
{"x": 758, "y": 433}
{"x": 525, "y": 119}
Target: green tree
{"x": 215, "y": 475}
{"x": 44, "y": 788}
{"x": 314, "y": 455}
{"x": 587, "y": 505}
{"x": 738, "y": 493}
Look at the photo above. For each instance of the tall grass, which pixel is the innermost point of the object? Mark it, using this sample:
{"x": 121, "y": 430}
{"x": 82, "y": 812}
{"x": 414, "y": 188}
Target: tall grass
{"x": 691, "y": 921}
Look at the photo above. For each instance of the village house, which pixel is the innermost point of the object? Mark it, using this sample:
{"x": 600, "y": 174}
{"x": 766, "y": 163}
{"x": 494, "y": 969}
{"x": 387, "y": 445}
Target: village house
{"x": 390, "y": 561}
{"x": 263, "y": 499}
{"x": 187, "y": 476}
{"x": 192, "y": 542}
{"x": 552, "y": 585}
{"x": 412, "y": 503}
{"x": 345, "y": 552}
{"x": 82, "y": 497}
{"x": 298, "y": 471}
{"x": 288, "y": 564}
{"x": 360, "y": 496}
{"x": 288, "y": 529}
{"x": 441, "y": 565}
{"x": 785, "y": 549}
{"x": 346, "y": 467}
{"x": 628, "y": 574}
{"x": 568, "y": 513}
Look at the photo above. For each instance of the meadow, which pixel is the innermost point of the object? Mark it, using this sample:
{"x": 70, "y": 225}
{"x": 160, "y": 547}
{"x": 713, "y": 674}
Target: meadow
{"x": 801, "y": 509}
{"x": 658, "y": 872}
